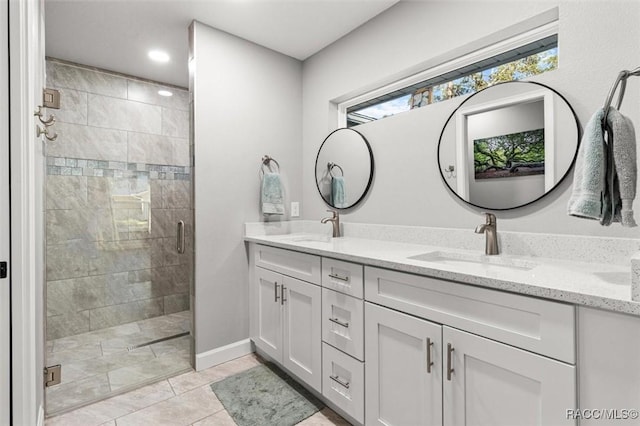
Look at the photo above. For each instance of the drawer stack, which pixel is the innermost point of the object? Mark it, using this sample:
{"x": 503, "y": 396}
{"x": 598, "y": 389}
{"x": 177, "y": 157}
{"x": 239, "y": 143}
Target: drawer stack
{"x": 343, "y": 336}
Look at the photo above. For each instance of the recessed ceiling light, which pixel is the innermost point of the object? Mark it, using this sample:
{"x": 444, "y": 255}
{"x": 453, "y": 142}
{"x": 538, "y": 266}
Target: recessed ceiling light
{"x": 164, "y": 93}
{"x": 159, "y": 56}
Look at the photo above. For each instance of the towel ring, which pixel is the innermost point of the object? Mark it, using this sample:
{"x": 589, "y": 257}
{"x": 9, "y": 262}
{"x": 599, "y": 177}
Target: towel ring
{"x": 622, "y": 81}
{"x": 266, "y": 161}
{"x": 331, "y": 166}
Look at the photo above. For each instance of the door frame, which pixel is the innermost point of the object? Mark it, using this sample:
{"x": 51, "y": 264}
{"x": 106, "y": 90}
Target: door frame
{"x": 5, "y": 288}
{"x": 26, "y": 77}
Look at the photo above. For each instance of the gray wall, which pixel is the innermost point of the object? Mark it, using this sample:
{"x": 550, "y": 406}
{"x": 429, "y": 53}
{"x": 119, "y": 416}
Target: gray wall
{"x": 246, "y": 104}
{"x": 118, "y": 179}
{"x": 408, "y": 189}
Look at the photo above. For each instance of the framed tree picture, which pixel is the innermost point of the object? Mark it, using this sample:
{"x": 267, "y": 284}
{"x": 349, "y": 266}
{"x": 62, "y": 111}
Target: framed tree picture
{"x": 510, "y": 155}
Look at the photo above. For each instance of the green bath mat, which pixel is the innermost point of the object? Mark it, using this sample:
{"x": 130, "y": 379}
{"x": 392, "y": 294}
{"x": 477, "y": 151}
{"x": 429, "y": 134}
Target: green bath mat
{"x": 265, "y": 395}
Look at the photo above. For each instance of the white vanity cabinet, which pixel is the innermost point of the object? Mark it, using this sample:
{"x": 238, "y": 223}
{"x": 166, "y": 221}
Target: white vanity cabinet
{"x": 490, "y": 383}
{"x": 392, "y": 348}
{"x": 286, "y": 323}
{"x": 425, "y": 371}
{"x": 403, "y": 370}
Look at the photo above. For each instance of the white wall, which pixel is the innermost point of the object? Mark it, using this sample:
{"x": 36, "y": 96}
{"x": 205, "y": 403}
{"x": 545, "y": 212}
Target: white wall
{"x": 246, "y": 104}
{"x": 597, "y": 39}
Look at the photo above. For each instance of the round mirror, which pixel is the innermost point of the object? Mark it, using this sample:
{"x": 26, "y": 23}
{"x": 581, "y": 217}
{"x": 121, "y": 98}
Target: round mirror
{"x": 344, "y": 168}
{"x": 508, "y": 145}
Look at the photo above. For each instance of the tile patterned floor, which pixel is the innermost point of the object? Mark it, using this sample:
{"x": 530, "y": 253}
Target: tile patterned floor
{"x": 98, "y": 364}
{"x": 183, "y": 400}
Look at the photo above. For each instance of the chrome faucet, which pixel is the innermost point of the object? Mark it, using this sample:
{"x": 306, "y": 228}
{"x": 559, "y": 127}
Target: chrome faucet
{"x": 490, "y": 230}
{"x": 335, "y": 221}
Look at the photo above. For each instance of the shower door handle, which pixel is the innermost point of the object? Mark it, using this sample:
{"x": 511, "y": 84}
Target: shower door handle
{"x": 180, "y": 237}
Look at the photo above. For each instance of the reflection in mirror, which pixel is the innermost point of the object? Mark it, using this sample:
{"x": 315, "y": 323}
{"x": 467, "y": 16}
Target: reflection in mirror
{"x": 508, "y": 145}
{"x": 344, "y": 168}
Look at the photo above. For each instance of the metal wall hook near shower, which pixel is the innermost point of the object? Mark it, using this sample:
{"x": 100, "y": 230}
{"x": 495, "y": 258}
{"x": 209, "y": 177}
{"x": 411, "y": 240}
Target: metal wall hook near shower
{"x": 45, "y": 132}
{"x": 40, "y": 114}
{"x": 331, "y": 166}
{"x": 622, "y": 81}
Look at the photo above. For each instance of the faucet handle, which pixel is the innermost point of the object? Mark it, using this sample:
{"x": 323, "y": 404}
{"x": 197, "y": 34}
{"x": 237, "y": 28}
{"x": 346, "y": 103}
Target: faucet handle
{"x": 491, "y": 218}
{"x": 335, "y": 213}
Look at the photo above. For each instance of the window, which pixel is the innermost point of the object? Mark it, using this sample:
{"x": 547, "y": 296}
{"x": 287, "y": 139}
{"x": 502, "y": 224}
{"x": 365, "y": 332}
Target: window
{"x": 517, "y": 63}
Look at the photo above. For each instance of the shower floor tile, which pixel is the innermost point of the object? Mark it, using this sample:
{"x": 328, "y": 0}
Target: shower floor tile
{"x": 99, "y": 364}
{"x": 181, "y": 401}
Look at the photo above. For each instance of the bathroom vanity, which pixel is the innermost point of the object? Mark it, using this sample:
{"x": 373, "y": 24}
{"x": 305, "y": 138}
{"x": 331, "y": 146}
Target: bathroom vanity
{"x": 396, "y": 333}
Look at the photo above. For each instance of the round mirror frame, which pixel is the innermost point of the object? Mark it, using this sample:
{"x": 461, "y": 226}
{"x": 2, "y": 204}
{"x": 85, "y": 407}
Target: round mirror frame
{"x": 370, "y": 180}
{"x": 566, "y": 173}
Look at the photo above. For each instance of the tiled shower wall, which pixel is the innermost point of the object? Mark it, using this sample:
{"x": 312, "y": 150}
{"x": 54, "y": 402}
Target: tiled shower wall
{"x": 118, "y": 181}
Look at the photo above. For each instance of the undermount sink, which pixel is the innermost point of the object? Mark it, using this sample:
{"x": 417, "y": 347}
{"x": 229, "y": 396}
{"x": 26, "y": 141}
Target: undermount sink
{"x": 308, "y": 238}
{"x": 461, "y": 259}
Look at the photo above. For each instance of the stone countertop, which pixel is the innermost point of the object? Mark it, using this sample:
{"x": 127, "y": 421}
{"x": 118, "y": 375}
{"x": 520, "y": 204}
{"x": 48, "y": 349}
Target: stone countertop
{"x": 598, "y": 285}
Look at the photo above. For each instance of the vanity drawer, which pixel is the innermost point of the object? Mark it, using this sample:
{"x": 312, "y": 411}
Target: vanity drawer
{"x": 343, "y": 381}
{"x": 294, "y": 264}
{"x": 544, "y": 327}
{"x": 344, "y": 277}
{"x": 343, "y": 322}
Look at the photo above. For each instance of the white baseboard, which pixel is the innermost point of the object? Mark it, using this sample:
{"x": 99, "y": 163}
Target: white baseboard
{"x": 41, "y": 416}
{"x": 225, "y": 353}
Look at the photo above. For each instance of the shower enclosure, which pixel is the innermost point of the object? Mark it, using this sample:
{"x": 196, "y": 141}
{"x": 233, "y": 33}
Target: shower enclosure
{"x": 119, "y": 235}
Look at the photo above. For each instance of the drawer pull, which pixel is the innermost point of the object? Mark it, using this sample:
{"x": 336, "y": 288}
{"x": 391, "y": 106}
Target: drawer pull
{"x": 275, "y": 287}
{"x": 338, "y": 277}
{"x": 337, "y": 321}
{"x": 282, "y": 298}
{"x": 429, "y": 362}
{"x": 339, "y": 381}
{"x": 450, "y": 369}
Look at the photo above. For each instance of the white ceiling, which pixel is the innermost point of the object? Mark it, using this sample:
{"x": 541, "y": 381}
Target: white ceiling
{"x": 116, "y": 34}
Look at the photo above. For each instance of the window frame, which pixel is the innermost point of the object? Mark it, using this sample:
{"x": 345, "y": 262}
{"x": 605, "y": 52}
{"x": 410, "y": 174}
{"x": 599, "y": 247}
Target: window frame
{"x": 478, "y": 55}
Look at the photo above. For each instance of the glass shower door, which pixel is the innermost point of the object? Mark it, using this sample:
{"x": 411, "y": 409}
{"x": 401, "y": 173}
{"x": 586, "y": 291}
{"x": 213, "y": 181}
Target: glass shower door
{"x": 119, "y": 235}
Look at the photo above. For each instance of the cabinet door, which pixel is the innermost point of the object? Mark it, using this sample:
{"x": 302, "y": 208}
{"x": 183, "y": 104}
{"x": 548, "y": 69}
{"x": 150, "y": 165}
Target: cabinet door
{"x": 495, "y": 384}
{"x": 401, "y": 389}
{"x": 269, "y": 316}
{"x": 302, "y": 353}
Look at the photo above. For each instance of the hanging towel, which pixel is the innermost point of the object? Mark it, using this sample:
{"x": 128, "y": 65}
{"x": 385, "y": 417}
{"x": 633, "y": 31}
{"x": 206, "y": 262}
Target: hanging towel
{"x": 272, "y": 194}
{"x": 338, "y": 195}
{"x": 589, "y": 177}
{"x": 624, "y": 173}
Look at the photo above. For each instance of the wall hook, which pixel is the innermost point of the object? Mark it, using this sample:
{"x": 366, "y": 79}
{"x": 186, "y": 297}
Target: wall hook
{"x": 449, "y": 172}
{"x": 40, "y": 114}
{"x": 45, "y": 132}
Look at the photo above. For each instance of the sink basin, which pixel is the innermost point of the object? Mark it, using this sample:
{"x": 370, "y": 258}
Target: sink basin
{"x": 308, "y": 238}
{"x": 468, "y": 259}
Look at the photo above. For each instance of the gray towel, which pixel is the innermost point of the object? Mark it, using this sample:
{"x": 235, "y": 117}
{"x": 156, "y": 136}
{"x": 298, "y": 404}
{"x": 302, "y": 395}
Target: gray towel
{"x": 272, "y": 195}
{"x": 623, "y": 173}
{"x": 590, "y": 171}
